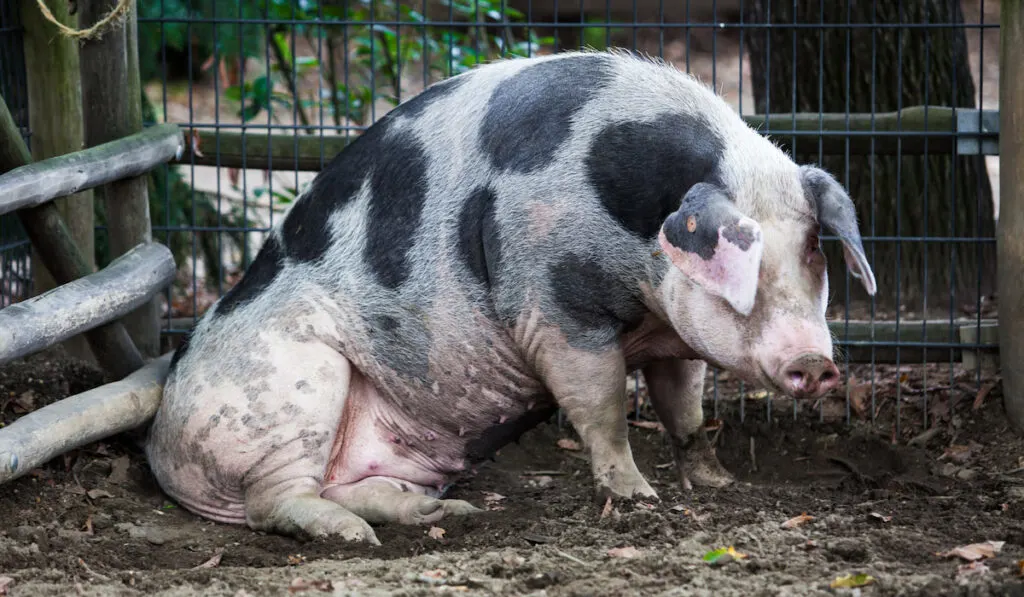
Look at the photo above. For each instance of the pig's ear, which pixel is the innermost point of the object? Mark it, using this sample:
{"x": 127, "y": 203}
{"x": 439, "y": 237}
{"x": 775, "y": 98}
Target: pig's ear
{"x": 715, "y": 245}
{"x": 837, "y": 215}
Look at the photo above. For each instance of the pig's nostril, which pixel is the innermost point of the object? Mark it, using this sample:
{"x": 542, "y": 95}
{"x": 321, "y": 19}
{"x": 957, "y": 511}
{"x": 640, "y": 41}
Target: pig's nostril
{"x": 827, "y": 377}
{"x": 797, "y": 378}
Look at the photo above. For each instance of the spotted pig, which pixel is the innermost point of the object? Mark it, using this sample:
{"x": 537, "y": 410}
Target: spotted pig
{"x": 510, "y": 241}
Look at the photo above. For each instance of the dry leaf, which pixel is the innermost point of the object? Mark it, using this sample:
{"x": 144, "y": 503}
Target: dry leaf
{"x": 119, "y": 470}
{"x": 25, "y": 403}
{"x": 624, "y": 552}
{"x": 879, "y": 517}
{"x": 959, "y": 453}
{"x": 301, "y": 584}
{"x": 1020, "y": 567}
{"x": 194, "y": 141}
{"x": 99, "y": 493}
{"x": 796, "y": 521}
{"x": 607, "y": 510}
{"x": 712, "y": 424}
{"x": 296, "y": 559}
{"x": 859, "y": 402}
{"x": 492, "y": 498}
{"x": 648, "y": 425}
{"x": 975, "y": 551}
{"x": 982, "y": 394}
{"x": 212, "y": 562}
{"x": 436, "y": 533}
{"x": 569, "y": 444}
{"x": 5, "y": 582}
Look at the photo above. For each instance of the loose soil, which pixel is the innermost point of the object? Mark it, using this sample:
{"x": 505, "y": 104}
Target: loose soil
{"x": 93, "y": 522}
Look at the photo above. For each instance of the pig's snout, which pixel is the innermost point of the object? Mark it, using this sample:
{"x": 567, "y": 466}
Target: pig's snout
{"x": 809, "y": 376}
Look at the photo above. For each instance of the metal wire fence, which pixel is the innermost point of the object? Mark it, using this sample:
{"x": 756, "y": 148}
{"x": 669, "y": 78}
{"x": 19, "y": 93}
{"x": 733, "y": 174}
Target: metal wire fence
{"x": 897, "y": 98}
{"x": 15, "y": 251}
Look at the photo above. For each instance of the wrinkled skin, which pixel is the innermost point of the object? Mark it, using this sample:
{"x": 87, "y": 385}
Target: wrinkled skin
{"x": 510, "y": 242}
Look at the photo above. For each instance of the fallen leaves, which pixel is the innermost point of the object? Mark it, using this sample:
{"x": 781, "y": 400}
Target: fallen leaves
{"x": 436, "y": 533}
{"x": 569, "y": 444}
{"x": 974, "y": 551}
{"x": 647, "y": 425}
{"x": 796, "y": 521}
{"x": 722, "y": 556}
{"x": 627, "y": 552}
{"x": 492, "y": 500}
{"x": 876, "y": 517}
{"x": 212, "y": 562}
{"x": 983, "y": 392}
{"x": 852, "y": 581}
{"x": 95, "y": 494}
{"x": 607, "y": 510}
{"x": 960, "y": 453}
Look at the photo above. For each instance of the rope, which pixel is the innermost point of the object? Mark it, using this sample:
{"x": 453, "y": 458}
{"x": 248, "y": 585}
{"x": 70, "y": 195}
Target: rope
{"x": 115, "y": 17}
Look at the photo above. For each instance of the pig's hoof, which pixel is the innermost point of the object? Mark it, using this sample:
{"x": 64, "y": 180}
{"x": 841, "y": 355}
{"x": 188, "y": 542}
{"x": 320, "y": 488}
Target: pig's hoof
{"x": 639, "y": 489}
{"x": 348, "y": 527}
{"x": 702, "y": 469}
{"x": 459, "y": 508}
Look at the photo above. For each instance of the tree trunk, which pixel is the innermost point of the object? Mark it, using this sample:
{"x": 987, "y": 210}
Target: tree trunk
{"x": 869, "y": 69}
{"x": 55, "y": 119}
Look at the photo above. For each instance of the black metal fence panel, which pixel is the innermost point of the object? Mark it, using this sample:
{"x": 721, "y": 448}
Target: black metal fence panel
{"x": 15, "y": 251}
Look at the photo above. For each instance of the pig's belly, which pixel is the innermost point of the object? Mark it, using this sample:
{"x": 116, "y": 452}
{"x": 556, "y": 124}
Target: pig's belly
{"x": 427, "y": 432}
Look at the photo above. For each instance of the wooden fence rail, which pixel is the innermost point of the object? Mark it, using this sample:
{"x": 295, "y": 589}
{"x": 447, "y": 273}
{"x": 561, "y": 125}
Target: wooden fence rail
{"x": 910, "y": 131}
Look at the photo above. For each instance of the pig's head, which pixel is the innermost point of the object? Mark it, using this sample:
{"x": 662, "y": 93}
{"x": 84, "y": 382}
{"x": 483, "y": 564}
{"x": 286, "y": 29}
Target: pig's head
{"x": 750, "y": 296}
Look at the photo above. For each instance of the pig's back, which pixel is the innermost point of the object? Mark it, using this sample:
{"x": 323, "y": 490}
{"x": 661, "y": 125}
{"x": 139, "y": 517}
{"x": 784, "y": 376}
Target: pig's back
{"x": 536, "y": 183}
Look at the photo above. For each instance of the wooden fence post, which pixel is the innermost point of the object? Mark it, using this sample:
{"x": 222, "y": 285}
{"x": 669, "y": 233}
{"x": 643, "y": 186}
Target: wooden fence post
{"x": 1010, "y": 233}
{"x": 111, "y": 93}
{"x": 55, "y": 119}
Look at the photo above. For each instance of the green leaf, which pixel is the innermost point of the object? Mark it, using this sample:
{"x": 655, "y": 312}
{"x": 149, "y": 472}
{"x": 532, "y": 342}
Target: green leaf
{"x": 852, "y": 581}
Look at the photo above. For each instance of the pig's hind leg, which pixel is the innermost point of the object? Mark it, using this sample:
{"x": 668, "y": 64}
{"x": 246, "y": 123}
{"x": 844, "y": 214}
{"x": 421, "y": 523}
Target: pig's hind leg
{"x": 385, "y": 500}
{"x": 676, "y": 388}
{"x": 293, "y": 443}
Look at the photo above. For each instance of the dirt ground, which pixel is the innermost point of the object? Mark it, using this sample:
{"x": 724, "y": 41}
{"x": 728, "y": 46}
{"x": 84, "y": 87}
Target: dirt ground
{"x": 94, "y": 523}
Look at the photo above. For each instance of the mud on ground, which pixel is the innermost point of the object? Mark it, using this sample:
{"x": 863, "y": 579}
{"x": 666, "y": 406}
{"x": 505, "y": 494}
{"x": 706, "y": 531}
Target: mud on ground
{"x": 94, "y": 523}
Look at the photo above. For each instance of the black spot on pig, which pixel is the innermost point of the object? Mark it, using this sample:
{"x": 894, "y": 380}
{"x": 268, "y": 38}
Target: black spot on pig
{"x": 593, "y": 305}
{"x": 402, "y": 343}
{"x": 641, "y": 170}
{"x": 500, "y": 435}
{"x": 415, "y": 106}
{"x": 478, "y": 242}
{"x": 398, "y": 185}
{"x": 305, "y": 230}
{"x": 710, "y": 210}
{"x": 529, "y": 115}
{"x": 257, "y": 278}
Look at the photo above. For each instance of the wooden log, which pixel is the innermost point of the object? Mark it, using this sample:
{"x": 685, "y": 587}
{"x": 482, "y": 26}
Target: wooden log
{"x": 111, "y": 93}
{"x": 260, "y": 150}
{"x": 51, "y": 238}
{"x": 86, "y": 303}
{"x": 55, "y": 119}
{"x": 44, "y": 180}
{"x": 1010, "y": 228}
{"x": 78, "y": 420}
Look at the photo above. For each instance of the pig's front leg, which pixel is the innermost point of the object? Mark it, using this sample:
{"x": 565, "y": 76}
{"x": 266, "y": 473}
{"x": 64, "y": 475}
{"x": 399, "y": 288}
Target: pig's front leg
{"x": 676, "y": 388}
{"x": 589, "y": 387}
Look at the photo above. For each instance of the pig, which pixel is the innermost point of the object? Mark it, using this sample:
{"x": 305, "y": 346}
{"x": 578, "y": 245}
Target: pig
{"x": 510, "y": 241}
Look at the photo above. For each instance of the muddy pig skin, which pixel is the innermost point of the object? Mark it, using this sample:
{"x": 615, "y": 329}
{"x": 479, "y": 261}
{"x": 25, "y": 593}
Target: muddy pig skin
{"x": 510, "y": 241}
